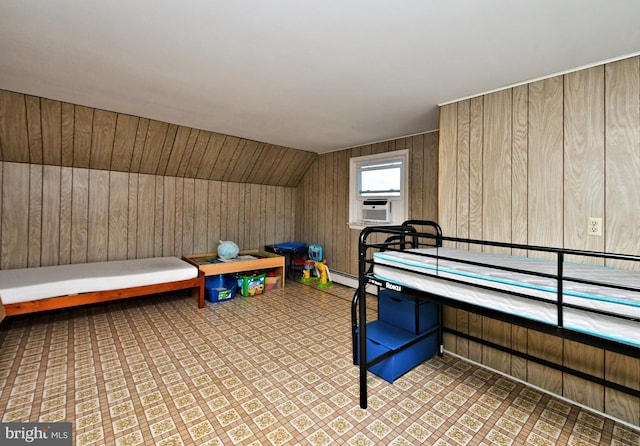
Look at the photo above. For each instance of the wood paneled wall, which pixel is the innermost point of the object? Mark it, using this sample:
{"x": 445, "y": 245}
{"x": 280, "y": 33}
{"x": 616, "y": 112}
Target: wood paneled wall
{"x": 42, "y": 131}
{"x": 52, "y": 215}
{"x": 323, "y": 196}
{"x": 530, "y": 165}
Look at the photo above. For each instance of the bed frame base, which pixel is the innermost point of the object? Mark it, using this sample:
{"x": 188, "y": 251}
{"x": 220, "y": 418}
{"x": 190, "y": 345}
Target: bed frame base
{"x": 405, "y": 235}
{"x": 74, "y": 300}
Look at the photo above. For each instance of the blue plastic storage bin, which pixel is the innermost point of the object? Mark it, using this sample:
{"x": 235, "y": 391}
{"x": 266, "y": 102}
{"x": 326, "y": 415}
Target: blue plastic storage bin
{"x": 383, "y": 337}
{"x": 220, "y": 287}
{"x": 407, "y": 312}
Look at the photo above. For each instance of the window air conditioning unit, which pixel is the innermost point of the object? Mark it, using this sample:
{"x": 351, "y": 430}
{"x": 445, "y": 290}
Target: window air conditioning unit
{"x": 376, "y": 211}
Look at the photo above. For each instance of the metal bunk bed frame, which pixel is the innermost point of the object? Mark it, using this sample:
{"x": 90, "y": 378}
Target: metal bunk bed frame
{"x": 407, "y": 236}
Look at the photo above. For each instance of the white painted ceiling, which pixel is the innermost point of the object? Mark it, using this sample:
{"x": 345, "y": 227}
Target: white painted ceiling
{"x": 317, "y": 76}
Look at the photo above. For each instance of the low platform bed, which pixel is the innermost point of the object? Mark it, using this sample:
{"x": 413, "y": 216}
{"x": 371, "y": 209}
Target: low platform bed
{"x": 566, "y": 293}
{"x": 30, "y": 290}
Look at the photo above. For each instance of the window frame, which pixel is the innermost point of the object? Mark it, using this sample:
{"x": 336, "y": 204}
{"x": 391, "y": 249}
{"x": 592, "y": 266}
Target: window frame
{"x": 399, "y": 203}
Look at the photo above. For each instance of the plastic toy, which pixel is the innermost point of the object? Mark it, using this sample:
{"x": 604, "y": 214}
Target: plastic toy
{"x": 306, "y": 272}
{"x": 315, "y": 253}
{"x": 325, "y": 276}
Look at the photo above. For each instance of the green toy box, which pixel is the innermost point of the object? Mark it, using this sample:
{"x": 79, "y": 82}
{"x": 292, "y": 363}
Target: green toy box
{"x": 252, "y": 285}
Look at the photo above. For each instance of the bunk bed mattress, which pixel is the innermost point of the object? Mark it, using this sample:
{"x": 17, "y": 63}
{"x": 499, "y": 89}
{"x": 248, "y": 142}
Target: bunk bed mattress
{"x": 479, "y": 284}
{"x": 28, "y": 284}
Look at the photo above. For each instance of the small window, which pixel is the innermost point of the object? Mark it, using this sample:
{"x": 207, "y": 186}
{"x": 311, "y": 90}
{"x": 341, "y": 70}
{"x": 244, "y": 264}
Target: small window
{"x": 378, "y": 191}
{"x": 380, "y": 179}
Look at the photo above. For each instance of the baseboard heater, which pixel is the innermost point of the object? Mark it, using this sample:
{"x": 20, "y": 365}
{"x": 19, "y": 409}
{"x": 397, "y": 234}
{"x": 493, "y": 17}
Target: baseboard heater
{"x": 350, "y": 281}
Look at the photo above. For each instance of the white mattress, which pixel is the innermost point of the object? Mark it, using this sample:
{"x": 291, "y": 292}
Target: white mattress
{"x": 600, "y": 297}
{"x": 28, "y": 284}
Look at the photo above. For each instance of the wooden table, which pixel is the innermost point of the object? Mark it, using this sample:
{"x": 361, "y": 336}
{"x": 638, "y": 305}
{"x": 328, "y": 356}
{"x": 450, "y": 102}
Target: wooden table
{"x": 250, "y": 260}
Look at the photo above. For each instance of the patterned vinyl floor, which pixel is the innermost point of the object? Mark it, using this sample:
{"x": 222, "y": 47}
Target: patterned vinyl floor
{"x": 274, "y": 369}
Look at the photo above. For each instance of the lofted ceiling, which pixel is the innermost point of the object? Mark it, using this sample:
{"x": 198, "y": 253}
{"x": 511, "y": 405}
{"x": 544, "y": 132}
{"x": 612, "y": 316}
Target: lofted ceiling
{"x": 316, "y": 76}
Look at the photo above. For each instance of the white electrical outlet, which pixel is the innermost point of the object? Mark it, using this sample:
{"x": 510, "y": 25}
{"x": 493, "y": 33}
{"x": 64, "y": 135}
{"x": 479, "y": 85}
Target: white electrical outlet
{"x": 594, "y": 227}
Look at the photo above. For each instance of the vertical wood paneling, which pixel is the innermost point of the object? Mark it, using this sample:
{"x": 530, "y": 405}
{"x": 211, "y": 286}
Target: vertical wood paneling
{"x": 258, "y": 171}
{"x": 519, "y": 339}
{"x": 462, "y": 325}
{"x": 79, "y": 215}
{"x": 132, "y": 221}
{"x": 252, "y": 151}
{"x": 622, "y": 112}
{"x": 214, "y": 221}
{"x": 291, "y": 160}
{"x": 475, "y": 329}
{"x": 68, "y": 123}
{"x": 448, "y": 160}
{"x": 42, "y": 131}
{"x": 213, "y": 151}
{"x": 183, "y": 165}
{"x": 589, "y": 360}
{"x": 322, "y": 215}
{"x": 234, "y": 168}
{"x": 102, "y": 137}
{"x": 449, "y": 320}
{"x": 15, "y": 216}
{"x": 500, "y": 333}
{"x": 245, "y": 215}
{"x": 66, "y": 210}
{"x": 142, "y": 132}
{"x": 98, "y": 216}
{"x": 326, "y": 199}
{"x": 51, "y": 215}
{"x": 123, "y": 143}
{"x": 118, "y": 215}
{"x": 430, "y": 180}
{"x": 584, "y": 152}
{"x": 416, "y": 177}
{"x": 157, "y": 218}
{"x": 177, "y": 150}
{"x": 496, "y": 167}
{"x": 34, "y": 129}
{"x": 476, "y": 136}
{"x": 550, "y": 348}
{"x": 188, "y": 205}
{"x": 169, "y": 217}
{"x": 153, "y": 144}
{"x": 462, "y": 172}
{"x": 179, "y": 234}
{"x": 623, "y": 370}
{"x": 55, "y": 215}
{"x": 1, "y": 219}
{"x": 221, "y": 166}
{"x": 146, "y": 216}
{"x": 264, "y": 212}
{"x": 14, "y": 138}
{"x": 200, "y": 216}
{"x": 169, "y": 139}
{"x": 575, "y": 153}
{"x": 519, "y": 164}
{"x": 253, "y": 222}
{"x": 197, "y": 154}
{"x": 342, "y": 238}
{"x": 310, "y": 208}
{"x": 545, "y": 160}
{"x": 270, "y": 215}
{"x": 51, "y": 113}
{"x": 82, "y": 128}
{"x": 35, "y": 215}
